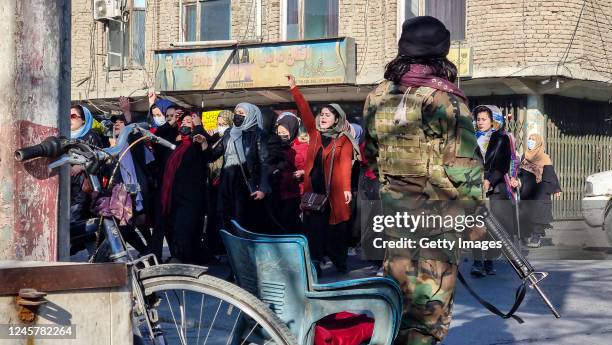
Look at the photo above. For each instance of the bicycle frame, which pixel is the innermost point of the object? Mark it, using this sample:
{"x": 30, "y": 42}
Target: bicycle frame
{"x": 119, "y": 253}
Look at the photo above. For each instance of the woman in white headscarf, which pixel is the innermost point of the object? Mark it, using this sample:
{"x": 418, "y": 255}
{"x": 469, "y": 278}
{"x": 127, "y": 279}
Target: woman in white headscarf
{"x": 244, "y": 176}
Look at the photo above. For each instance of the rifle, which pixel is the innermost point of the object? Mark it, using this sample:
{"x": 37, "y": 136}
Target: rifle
{"x": 523, "y": 268}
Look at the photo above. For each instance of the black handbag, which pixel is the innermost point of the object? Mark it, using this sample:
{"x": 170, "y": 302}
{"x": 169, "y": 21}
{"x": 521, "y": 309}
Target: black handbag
{"x": 316, "y": 202}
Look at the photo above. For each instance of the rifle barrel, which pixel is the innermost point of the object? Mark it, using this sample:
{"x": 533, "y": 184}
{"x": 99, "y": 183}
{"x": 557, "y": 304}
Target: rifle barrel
{"x": 545, "y": 298}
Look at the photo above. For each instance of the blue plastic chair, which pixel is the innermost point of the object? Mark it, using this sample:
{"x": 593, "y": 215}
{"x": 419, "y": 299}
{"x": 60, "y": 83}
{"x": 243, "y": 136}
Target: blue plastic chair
{"x": 277, "y": 269}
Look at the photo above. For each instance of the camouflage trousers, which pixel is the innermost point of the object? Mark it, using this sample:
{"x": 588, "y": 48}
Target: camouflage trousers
{"x": 428, "y": 288}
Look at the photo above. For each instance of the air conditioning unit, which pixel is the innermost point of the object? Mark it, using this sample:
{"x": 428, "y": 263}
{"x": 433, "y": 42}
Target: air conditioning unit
{"x": 106, "y": 9}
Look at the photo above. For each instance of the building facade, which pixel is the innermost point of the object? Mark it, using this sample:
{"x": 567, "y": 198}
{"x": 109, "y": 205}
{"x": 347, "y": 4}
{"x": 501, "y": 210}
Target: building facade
{"x": 513, "y": 46}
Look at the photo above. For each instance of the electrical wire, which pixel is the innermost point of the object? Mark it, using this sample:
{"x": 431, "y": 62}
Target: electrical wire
{"x": 367, "y": 41}
{"x": 246, "y": 31}
{"x": 571, "y": 42}
{"x": 539, "y": 65}
{"x": 603, "y": 43}
{"x": 524, "y": 18}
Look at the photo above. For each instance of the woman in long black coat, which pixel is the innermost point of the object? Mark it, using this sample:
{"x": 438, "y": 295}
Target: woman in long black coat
{"x": 244, "y": 175}
{"x": 183, "y": 192}
{"x": 495, "y": 151}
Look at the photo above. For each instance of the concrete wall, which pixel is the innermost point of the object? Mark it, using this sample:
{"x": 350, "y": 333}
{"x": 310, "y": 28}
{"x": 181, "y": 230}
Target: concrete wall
{"x": 508, "y": 37}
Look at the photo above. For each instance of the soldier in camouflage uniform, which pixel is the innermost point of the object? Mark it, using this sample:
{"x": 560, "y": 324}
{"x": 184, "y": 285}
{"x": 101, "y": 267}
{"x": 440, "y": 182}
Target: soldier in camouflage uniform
{"x": 420, "y": 141}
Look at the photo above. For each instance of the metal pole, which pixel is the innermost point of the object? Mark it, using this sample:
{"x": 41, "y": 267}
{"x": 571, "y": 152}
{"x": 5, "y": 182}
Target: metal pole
{"x": 34, "y": 103}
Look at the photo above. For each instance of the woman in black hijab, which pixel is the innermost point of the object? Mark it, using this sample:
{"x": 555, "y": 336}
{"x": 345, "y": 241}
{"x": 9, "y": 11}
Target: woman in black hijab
{"x": 288, "y": 208}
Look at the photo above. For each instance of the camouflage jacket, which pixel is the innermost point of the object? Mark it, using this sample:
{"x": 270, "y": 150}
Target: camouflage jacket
{"x": 422, "y": 133}
{"x": 420, "y": 142}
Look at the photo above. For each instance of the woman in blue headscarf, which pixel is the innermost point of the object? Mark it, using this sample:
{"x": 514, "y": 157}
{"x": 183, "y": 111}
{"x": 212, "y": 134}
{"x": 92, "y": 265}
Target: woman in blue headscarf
{"x": 244, "y": 175}
{"x": 495, "y": 151}
{"x": 82, "y": 125}
{"x": 81, "y": 128}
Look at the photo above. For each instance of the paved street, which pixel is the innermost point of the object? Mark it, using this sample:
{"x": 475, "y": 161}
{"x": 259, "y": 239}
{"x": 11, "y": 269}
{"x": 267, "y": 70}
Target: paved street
{"x": 581, "y": 290}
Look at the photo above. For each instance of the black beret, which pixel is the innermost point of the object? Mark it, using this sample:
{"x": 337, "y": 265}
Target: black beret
{"x": 424, "y": 37}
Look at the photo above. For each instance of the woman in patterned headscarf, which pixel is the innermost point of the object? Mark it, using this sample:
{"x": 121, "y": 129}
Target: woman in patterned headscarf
{"x": 327, "y": 171}
{"x": 494, "y": 150}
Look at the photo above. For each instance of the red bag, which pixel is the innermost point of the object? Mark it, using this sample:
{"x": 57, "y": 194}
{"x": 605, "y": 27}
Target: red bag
{"x": 343, "y": 329}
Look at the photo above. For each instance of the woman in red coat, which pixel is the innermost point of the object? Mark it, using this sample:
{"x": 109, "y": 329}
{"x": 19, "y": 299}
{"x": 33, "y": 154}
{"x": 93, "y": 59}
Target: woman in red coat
{"x": 327, "y": 231}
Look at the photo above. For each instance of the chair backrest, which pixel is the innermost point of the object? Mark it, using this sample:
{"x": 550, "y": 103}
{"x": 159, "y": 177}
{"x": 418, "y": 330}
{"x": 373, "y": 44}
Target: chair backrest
{"x": 274, "y": 270}
{"x": 310, "y": 271}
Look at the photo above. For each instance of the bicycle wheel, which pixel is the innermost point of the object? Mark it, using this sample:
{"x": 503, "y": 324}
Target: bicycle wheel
{"x": 208, "y": 310}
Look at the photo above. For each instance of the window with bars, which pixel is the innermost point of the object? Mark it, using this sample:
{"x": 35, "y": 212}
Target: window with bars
{"x": 310, "y": 19}
{"x": 127, "y": 39}
{"x": 450, "y": 12}
{"x": 207, "y": 20}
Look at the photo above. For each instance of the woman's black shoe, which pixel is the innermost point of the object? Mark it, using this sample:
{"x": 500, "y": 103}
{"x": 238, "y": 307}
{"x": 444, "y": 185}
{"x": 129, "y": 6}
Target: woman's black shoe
{"x": 477, "y": 269}
{"x": 488, "y": 267}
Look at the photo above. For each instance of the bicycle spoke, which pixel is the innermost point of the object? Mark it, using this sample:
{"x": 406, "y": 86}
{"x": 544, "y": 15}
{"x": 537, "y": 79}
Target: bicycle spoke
{"x": 213, "y": 322}
{"x": 183, "y": 309}
{"x": 229, "y": 340}
{"x": 200, "y": 320}
{"x": 183, "y": 341}
{"x": 248, "y": 335}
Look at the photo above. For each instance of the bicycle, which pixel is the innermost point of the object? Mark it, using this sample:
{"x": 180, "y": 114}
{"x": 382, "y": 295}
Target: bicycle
{"x": 165, "y": 296}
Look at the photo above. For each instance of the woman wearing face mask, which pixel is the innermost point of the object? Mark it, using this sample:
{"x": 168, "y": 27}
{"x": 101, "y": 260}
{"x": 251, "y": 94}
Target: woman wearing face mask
{"x": 287, "y": 205}
{"x": 156, "y": 116}
{"x": 331, "y": 150}
{"x": 494, "y": 150}
{"x": 244, "y": 175}
{"x": 183, "y": 191}
{"x": 538, "y": 182}
{"x": 166, "y": 128}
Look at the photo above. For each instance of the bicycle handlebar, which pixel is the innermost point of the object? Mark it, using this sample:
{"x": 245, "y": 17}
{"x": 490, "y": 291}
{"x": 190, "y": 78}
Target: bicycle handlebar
{"x": 56, "y": 146}
{"x": 50, "y": 147}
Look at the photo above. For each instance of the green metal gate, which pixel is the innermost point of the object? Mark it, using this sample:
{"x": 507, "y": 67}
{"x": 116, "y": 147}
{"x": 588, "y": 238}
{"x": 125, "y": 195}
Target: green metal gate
{"x": 575, "y": 157}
